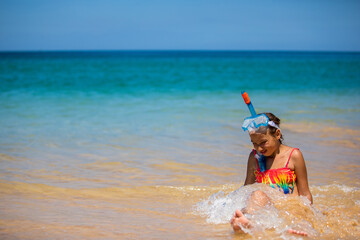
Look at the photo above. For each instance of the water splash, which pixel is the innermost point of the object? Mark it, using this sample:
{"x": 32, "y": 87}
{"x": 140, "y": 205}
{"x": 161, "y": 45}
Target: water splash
{"x": 219, "y": 209}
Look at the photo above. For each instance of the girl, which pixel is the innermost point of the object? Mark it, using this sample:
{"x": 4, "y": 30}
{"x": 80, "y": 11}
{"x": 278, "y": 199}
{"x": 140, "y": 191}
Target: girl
{"x": 273, "y": 163}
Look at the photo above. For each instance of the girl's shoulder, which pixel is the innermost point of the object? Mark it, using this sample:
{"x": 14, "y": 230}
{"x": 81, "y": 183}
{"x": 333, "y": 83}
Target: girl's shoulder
{"x": 294, "y": 151}
{"x": 295, "y": 156}
{"x": 291, "y": 150}
{"x": 252, "y": 159}
{"x": 252, "y": 155}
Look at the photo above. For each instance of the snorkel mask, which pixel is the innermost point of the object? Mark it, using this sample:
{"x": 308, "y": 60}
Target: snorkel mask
{"x": 256, "y": 123}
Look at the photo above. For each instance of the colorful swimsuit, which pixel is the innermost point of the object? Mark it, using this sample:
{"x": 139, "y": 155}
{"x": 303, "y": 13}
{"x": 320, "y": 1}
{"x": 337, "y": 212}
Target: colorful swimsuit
{"x": 283, "y": 178}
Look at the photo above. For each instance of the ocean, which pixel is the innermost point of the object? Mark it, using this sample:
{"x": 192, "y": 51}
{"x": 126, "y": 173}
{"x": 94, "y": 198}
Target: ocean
{"x": 148, "y": 144}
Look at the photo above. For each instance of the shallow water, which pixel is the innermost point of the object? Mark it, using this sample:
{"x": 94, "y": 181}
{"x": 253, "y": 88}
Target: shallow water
{"x": 149, "y": 145}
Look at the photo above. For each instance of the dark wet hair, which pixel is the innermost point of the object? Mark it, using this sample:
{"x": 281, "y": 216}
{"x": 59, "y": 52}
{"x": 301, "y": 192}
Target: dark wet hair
{"x": 277, "y": 121}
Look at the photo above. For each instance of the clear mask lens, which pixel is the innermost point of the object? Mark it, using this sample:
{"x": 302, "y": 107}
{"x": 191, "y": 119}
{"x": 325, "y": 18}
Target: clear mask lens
{"x": 253, "y": 123}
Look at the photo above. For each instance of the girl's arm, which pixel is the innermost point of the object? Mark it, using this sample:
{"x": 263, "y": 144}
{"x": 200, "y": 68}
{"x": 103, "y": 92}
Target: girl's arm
{"x": 251, "y": 167}
{"x": 301, "y": 175}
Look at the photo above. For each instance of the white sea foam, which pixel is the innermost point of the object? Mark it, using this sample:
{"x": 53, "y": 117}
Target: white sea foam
{"x": 219, "y": 208}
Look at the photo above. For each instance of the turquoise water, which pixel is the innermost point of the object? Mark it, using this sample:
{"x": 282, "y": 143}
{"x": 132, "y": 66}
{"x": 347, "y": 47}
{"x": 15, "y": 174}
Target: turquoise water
{"x": 164, "y": 103}
{"x": 138, "y": 120}
{"x": 95, "y": 98}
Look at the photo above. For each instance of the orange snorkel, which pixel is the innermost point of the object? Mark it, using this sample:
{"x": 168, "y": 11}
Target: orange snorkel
{"x": 248, "y": 103}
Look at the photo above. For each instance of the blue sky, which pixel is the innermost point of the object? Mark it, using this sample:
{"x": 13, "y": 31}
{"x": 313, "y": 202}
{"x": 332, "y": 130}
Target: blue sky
{"x": 323, "y": 25}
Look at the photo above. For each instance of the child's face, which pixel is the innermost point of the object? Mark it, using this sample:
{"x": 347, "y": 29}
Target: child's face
{"x": 266, "y": 143}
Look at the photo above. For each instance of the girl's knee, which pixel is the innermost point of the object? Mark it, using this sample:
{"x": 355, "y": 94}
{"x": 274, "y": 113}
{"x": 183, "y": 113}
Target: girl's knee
{"x": 259, "y": 194}
{"x": 260, "y": 198}
{"x": 257, "y": 200}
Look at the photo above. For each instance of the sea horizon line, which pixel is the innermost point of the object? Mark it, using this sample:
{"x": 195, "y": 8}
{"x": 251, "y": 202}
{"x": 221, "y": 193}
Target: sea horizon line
{"x": 177, "y": 50}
